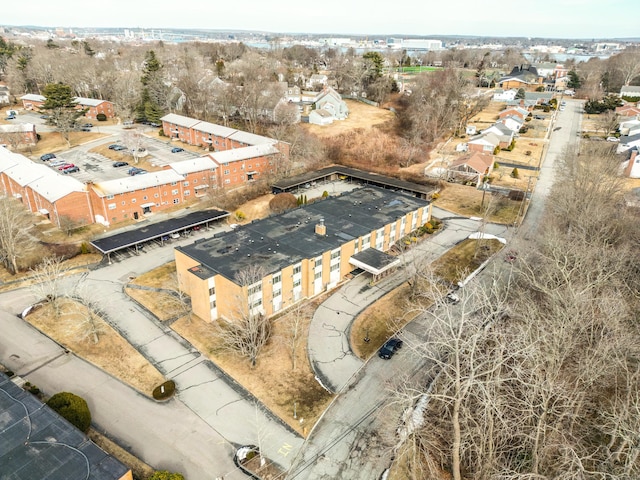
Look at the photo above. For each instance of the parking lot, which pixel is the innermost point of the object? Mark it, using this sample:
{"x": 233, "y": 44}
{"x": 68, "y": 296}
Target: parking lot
{"x": 95, "y": 167}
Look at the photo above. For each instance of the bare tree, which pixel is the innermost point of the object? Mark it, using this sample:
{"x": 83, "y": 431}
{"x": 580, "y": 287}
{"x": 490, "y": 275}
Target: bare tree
{"x": 90, "y": 323}
{"x": 47, "y": 281}
{"x": 16, "y": 240}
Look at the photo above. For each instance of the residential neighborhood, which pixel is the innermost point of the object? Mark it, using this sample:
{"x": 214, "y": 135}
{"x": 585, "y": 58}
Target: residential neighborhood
{"x": 308, "y": 256}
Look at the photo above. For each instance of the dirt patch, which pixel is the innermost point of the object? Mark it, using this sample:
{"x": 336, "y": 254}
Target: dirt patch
{"x": 456, "y": 264}
{"x": 467, "y": 200}
{"x": 255, "y": 209}
{"x": 273, "y": 380}
{"x": 361, "y": 116}
{"x": 112, "y": 353}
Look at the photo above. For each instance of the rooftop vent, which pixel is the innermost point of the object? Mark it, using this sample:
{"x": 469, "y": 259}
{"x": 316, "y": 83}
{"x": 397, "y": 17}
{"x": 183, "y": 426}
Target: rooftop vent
{"x": 321, "y": 228}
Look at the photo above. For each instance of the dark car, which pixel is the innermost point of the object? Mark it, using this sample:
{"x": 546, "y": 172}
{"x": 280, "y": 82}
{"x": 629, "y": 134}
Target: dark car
{"x": 73, "y": 169}
{"x": 120, "y": 164}
{"x": 47, "y": 156}
{"x": 87, "y": 125}
{"x": 116, "y": 147}
{"x": 85, "y": 129}
{"x": 177, "y": 150}
{"x": 136, "y": 171}
{"x": 10, "y": 117}
{"x": 390, "y": 347}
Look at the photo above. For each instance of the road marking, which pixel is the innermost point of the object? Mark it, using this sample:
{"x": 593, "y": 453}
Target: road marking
{"x": 285, "y": 449}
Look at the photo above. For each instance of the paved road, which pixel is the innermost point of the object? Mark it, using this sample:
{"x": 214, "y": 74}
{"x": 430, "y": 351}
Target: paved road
{"x": 356, "y": 436}
{"x": 204, "y": 394}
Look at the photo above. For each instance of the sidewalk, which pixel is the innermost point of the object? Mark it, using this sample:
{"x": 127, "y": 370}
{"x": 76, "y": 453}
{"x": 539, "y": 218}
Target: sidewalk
{"x": 329, "y": 350}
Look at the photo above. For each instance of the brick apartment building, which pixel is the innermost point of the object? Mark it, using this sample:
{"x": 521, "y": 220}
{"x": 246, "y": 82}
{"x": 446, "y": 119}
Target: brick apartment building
{"x": 298, "y": 254}
{"x": 19, "y": 135}
{"x": 93, "y": 106}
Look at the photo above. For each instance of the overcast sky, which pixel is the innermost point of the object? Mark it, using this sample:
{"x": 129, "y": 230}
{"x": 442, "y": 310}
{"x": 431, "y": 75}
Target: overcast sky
{"x": 586, "y": 19}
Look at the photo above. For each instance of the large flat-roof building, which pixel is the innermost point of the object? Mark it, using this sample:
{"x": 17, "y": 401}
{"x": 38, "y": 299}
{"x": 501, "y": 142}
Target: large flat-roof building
{"x": 271, "y": 264}
{"x": 35, "y": 442}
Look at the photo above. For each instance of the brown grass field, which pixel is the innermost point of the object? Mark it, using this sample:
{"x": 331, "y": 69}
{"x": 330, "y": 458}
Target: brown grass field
{"x": 361, "y": 116}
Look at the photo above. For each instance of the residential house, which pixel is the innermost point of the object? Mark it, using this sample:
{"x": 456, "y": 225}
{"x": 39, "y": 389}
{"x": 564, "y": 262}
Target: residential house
{"x": 631, "y": 91}
{"x": 522, "y": 76}
{"x": 317, "y": 80}
{"x": 628, "y": 142}
{"x": 512, "y": 122}
{"x": 471, "y": 167}
{"x": 331, "y": 101}
{"x": 32, "y": 101}
{"x": 516, "y": 111}
{"x": 321, "y": 117}
{"x": 18, "y": 135}
{"x": 537, "y": 98}
{"x": 484, "y": 143}
{"x": 628, "y": 110}
{"x": 94, "y": 107}
{"x": 39, "y": 443}
{"x": 504, "y": 133}
{"x": 269, "y": 265}
{"x": 630, "y": 127}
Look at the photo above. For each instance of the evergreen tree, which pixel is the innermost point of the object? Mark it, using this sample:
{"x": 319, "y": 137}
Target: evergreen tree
{"x": 62, "y": 108}
{"x": 154, "y": 91}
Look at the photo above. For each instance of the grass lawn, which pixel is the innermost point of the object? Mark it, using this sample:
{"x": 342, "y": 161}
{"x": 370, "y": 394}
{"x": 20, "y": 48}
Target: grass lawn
{"x": 112, "y": 353}
{"x": 457, "y": 263}
{"x": 467, "y": 200}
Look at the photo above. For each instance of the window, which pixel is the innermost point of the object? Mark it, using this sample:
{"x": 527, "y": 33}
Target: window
{"x": 212, "y": 303}
{"x": 124, "y": 203}
{"x": 297, "y": 283}
{"x": 173, "y": 184}
{"x": 257, "y": 303}
{"x": 277, "y": 278}
{"x": 226, "y": 172}
{"x": 212, "y": 291}
{"x": 112, "y": 206}
{"x": 277, "y": 293}
{"x": 176, "y": 201}
{"x": 187, "y": 193}
{"x": 185, "y": 184}
{"x": 195, "y": 180}
{"x": 174, "y": 192}
{"x": 297, "y": 269}
{"x": 155, "y": 195}
{"x": 318, "y": 275}
{"x": 335, "y": 254}
{"x": 133, "y": 200}
{"x": 227, "y": 181}
{"x": 335, "y": 267}
{"x": 165, "y": 193}
{"x": 109, "y": 197}
{"x": 145, "y": 198}
{"x": 257, "y": 288}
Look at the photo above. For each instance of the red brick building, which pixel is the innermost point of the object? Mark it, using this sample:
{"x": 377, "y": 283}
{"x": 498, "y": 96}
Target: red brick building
{"x": 32, "y": 101}
{"x": 18, "y": 135}
{"x": 95, "y": 107}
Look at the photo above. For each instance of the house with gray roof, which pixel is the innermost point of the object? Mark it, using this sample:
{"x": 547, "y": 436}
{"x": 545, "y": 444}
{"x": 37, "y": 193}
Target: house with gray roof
{"x": 632, "y": 91}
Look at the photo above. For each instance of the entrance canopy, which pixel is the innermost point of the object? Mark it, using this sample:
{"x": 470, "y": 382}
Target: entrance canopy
{"x": 374, "y": 261}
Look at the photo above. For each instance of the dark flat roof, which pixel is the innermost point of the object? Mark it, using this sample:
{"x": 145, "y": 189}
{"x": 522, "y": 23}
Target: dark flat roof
{"x": 281, "y": 240}
{"x": 35, "y": 442}
{"x": 367, "y": 177}
{"x": 157, "y": 230}
{"x": 375, "y": 258}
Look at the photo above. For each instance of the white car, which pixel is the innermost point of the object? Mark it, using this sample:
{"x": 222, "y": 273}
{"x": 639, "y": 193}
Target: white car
{"x": 613, "y": 139}
{"x": 57, "y": 163}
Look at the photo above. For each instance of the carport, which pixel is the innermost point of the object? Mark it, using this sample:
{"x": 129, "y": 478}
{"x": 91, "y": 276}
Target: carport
{"x": 375, "y": 262}
{"x": 156, "y": 231}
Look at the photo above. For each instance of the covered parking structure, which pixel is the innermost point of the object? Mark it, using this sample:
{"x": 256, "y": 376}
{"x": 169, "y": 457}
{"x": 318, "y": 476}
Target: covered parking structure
{"x": 338, "y": 172}
{"x": 156, "y": 231}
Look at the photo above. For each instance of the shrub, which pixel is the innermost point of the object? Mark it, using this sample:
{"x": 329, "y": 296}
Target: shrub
{"x": 325, "y": 194}
{"x": 496, "y": 165}
{"x": 528, "y": 153}
{"x": 73, "y": 408}
{"x": 164, "y": 391}
{"x": 239, "y": 215}
{"x": 511, "y": 146}
{"x": 435, "y": 196}
{"x": 282, "y": 202}
{"x": 101, "y": 117}
{"x": 496, "y": 150}
{"x": 515, "y": 173}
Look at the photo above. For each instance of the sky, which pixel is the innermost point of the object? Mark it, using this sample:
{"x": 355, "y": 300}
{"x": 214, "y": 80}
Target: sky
{"x": 584, "y": 19}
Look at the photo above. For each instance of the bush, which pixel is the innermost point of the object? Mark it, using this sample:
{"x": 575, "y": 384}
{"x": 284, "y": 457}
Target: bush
{"x": 496, "y": 165}
{"x": 515, "y": 173}
{"x": 169, "y": 390}
{"x": 282, "y": 202}
{"x": 101, "y": 117}
{"x": 73, "y": 408}
{"x": 325, "y": 194}
{"x": 528, "y": 153}
{"x": 496, "y": 150}
{"x": 239, "y": 215}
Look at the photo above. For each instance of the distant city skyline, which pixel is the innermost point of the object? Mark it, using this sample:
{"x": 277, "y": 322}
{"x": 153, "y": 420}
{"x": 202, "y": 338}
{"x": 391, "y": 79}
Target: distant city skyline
{"x": 562, "y": 19}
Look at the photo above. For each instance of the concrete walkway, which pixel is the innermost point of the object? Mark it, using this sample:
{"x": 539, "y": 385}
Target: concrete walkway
{"x": 329, "y": 350}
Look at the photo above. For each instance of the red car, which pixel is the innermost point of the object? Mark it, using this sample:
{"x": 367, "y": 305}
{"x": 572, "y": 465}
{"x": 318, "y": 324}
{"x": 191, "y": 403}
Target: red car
{"x": 65, "y": 166}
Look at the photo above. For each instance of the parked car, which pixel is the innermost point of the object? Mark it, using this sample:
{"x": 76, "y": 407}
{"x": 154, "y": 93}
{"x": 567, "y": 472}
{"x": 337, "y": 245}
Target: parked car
{"x": 73, "y": 169}
{"x": 85, "y": 129}
{"x": 390, "y": 347}
{"x": 47, "y": 156}
{"x": 10, "y": 117}
{"x": 452, "y": 298}
{"x": 117, "y": 147}
{"x": 120, "y": 164}
{"x": 57, "y": 163}
{"x": 613, "y": 139}
{"x": 136, "y": 171}
{"x": 153, "y": 124}
{"x": 88, "y": 125}
{"x": 65, "y": 166}
{"x": 177, "y": 150}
